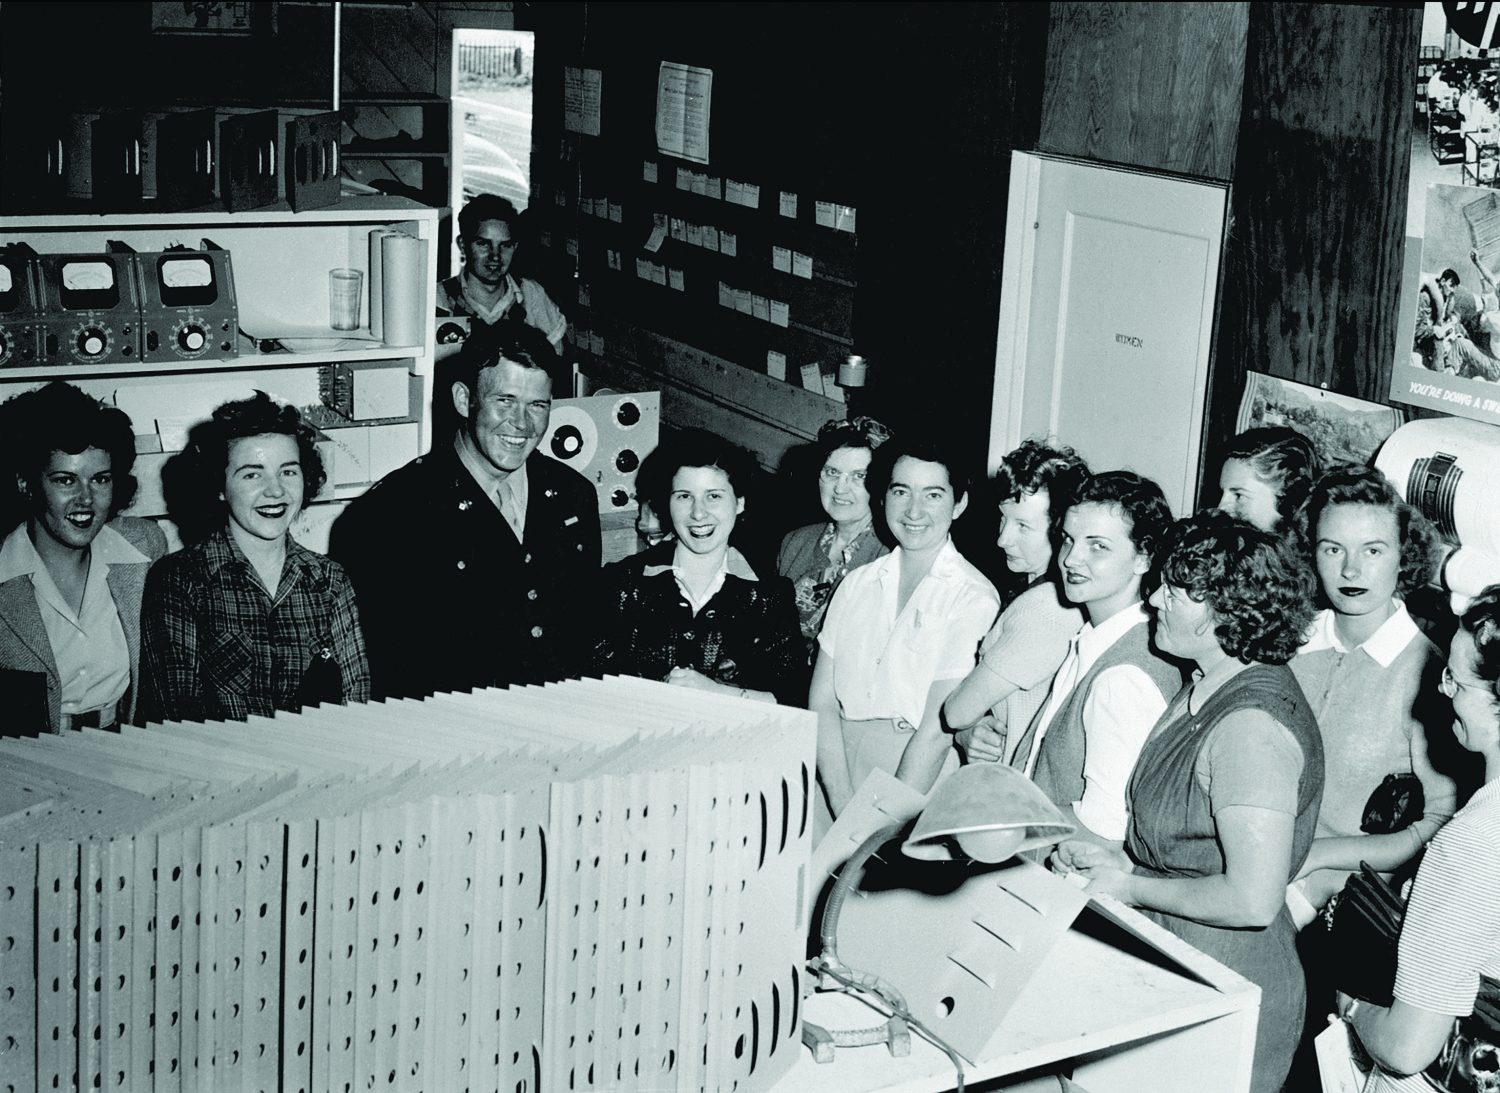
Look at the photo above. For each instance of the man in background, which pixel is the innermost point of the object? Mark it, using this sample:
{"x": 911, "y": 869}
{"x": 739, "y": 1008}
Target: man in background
{"x": 485, "y": 290}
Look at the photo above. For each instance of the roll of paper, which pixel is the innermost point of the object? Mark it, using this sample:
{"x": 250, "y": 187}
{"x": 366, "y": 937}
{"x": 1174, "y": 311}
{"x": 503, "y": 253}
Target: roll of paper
{"x": 377, "y": 305}
{"x": 403, "y": 288}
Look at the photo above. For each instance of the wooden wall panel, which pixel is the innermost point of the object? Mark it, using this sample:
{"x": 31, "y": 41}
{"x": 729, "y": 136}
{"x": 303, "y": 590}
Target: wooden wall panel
{"x": 1314, "y": 262}
{"x": 1147, "y": 84}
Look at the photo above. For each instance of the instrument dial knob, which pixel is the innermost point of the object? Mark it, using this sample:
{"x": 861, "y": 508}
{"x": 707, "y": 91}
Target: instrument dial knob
{"x": 192, "y": 338}
{"x": 92, "y": 341}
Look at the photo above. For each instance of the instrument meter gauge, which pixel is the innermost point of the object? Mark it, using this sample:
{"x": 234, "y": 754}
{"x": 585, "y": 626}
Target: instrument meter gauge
{"x": 87, "y": 276}
{"x": 187, "y": 273}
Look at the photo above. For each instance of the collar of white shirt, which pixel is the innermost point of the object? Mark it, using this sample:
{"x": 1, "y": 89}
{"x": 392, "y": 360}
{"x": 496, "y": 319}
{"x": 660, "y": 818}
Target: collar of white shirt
{"x": 18, "y": 556}
{"x": 1094, "y": 640}
{"x": 734, "y": 563}
{"x": 948, "y": 563}
{"x": 502, "y": 305}
{"x": 1384, "y": 646}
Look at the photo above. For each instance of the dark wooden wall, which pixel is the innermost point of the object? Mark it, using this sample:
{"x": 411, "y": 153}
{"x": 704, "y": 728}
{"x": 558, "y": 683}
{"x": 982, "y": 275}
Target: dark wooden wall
{"x": 1306, "y": 109}
{"x": 1313, "y": 280}
{"x": 1151, "y": 85}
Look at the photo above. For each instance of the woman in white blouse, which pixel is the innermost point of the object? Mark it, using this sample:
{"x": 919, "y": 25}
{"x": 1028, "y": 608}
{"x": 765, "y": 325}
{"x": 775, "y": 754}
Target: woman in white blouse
{"x": 900, "y": 632}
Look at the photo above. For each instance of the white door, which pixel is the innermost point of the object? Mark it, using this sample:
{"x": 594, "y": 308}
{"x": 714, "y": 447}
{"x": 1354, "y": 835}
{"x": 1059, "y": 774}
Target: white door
{"x": 1106, "y": 316}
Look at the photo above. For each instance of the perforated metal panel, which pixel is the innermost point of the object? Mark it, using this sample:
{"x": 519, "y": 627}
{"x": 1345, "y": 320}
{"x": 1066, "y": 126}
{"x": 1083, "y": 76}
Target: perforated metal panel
{"x": 585, "y": 886}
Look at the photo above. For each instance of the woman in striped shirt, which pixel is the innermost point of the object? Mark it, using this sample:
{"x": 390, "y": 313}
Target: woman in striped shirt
{"x": 1450, "y": 940}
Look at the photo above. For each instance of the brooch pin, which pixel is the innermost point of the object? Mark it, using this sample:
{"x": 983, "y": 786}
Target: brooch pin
{"x": 463, "y": 506}
{"x": 548, "y": 493}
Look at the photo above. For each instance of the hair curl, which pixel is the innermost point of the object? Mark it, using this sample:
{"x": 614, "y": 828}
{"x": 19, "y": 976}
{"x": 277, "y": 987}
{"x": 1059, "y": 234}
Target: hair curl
{"x": 58, "y": 417}
{"x": 861, "y": 432}
{"x": 1256, "y": 587}
{"x": 1034, "y": 467}
{"x": 926, "y": 447}
{"x": 1148, "y": 517}
{"x": 697, "y": 448}
{"x": 196, "y": 497}
{"x": 1482, "y": 621}
{"x": 1283, "y": 459}
{"x": 1367, "y": 486}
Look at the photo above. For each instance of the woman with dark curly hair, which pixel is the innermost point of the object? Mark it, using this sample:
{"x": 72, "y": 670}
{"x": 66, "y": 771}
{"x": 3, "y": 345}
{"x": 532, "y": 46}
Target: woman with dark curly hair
{"x": 691, "y": 611}
{"x": 1267, "y": 476}
{"x": 816, "y": 557}
{"x": 71, "y": 573}
{"x": 249, "y": 621}
{"x": 1371, "y": 677}
{"x": 1224, "y": 799}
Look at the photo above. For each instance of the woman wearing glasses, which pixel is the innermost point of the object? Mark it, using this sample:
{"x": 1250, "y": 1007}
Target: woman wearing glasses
{"x": 1449, "y": 952}
{"x": 816, "y": 557}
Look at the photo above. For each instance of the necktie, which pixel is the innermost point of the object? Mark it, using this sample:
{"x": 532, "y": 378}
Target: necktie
{"x": 507, "y": 508}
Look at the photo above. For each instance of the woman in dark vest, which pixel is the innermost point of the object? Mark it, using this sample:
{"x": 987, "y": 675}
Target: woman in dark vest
{"x": 1224, "y": 799}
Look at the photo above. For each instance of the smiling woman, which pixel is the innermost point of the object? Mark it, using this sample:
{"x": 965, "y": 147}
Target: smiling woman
{"x": 71, "y": 573}
{"x": 248, "y": 621}
{"x": 691, "y": 611}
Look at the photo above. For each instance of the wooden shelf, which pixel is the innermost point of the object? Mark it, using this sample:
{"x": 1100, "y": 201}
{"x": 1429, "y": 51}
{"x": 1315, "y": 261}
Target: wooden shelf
{"x": 285, "y": 359}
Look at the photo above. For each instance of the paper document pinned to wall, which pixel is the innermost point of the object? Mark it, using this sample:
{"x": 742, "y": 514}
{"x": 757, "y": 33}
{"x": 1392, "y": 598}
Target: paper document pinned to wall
{"x": 684, "y": 95}
{"x": 581, "y": 96}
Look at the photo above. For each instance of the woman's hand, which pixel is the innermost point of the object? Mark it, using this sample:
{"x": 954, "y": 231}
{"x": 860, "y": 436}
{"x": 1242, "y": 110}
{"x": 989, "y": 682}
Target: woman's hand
{"x": 983, "y": 741}
{"x": 1108, "y": 869}
{"x": 694, "y": 679}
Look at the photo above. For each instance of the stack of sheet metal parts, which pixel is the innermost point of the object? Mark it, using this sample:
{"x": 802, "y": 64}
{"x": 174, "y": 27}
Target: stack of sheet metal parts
{"x": 591, "y": 885}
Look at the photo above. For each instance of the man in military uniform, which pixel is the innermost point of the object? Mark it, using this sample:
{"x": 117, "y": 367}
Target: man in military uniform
{"x": 472, "y": 564}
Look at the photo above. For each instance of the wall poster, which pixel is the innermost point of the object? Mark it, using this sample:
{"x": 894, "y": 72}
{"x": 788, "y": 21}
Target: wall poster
{"x": 1342, "y": 428}
{"x": 1448, "y": 340}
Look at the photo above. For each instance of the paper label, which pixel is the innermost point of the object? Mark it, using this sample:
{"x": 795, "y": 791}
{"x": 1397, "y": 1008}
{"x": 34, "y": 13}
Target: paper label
{"x": 781, "y": 259}
{"x": 684, "y": 99}
{"x": 676, "y": 280}
{"x": 760, "y": 307}
{"x": 802, "y": 265}
{"x": 780, "y": 313}
{"x": 776, "y": 364}
{"x": 788, "y": 205}
{"x": 648, "y": 171}
{"x": 581, "y": 96}
{"x": 728, "y": 244}
{"x": 812, "y": 378}
{"x": 824, "y": 214}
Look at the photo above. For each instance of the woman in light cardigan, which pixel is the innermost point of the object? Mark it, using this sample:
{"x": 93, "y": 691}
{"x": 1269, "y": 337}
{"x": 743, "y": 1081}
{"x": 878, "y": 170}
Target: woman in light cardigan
{"x": 72, "y": 571}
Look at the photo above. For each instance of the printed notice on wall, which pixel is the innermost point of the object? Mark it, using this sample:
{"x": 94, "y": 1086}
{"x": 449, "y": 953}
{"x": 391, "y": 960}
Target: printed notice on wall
{"x": 684, "y": 95}
{"x": 581, "y": 91}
